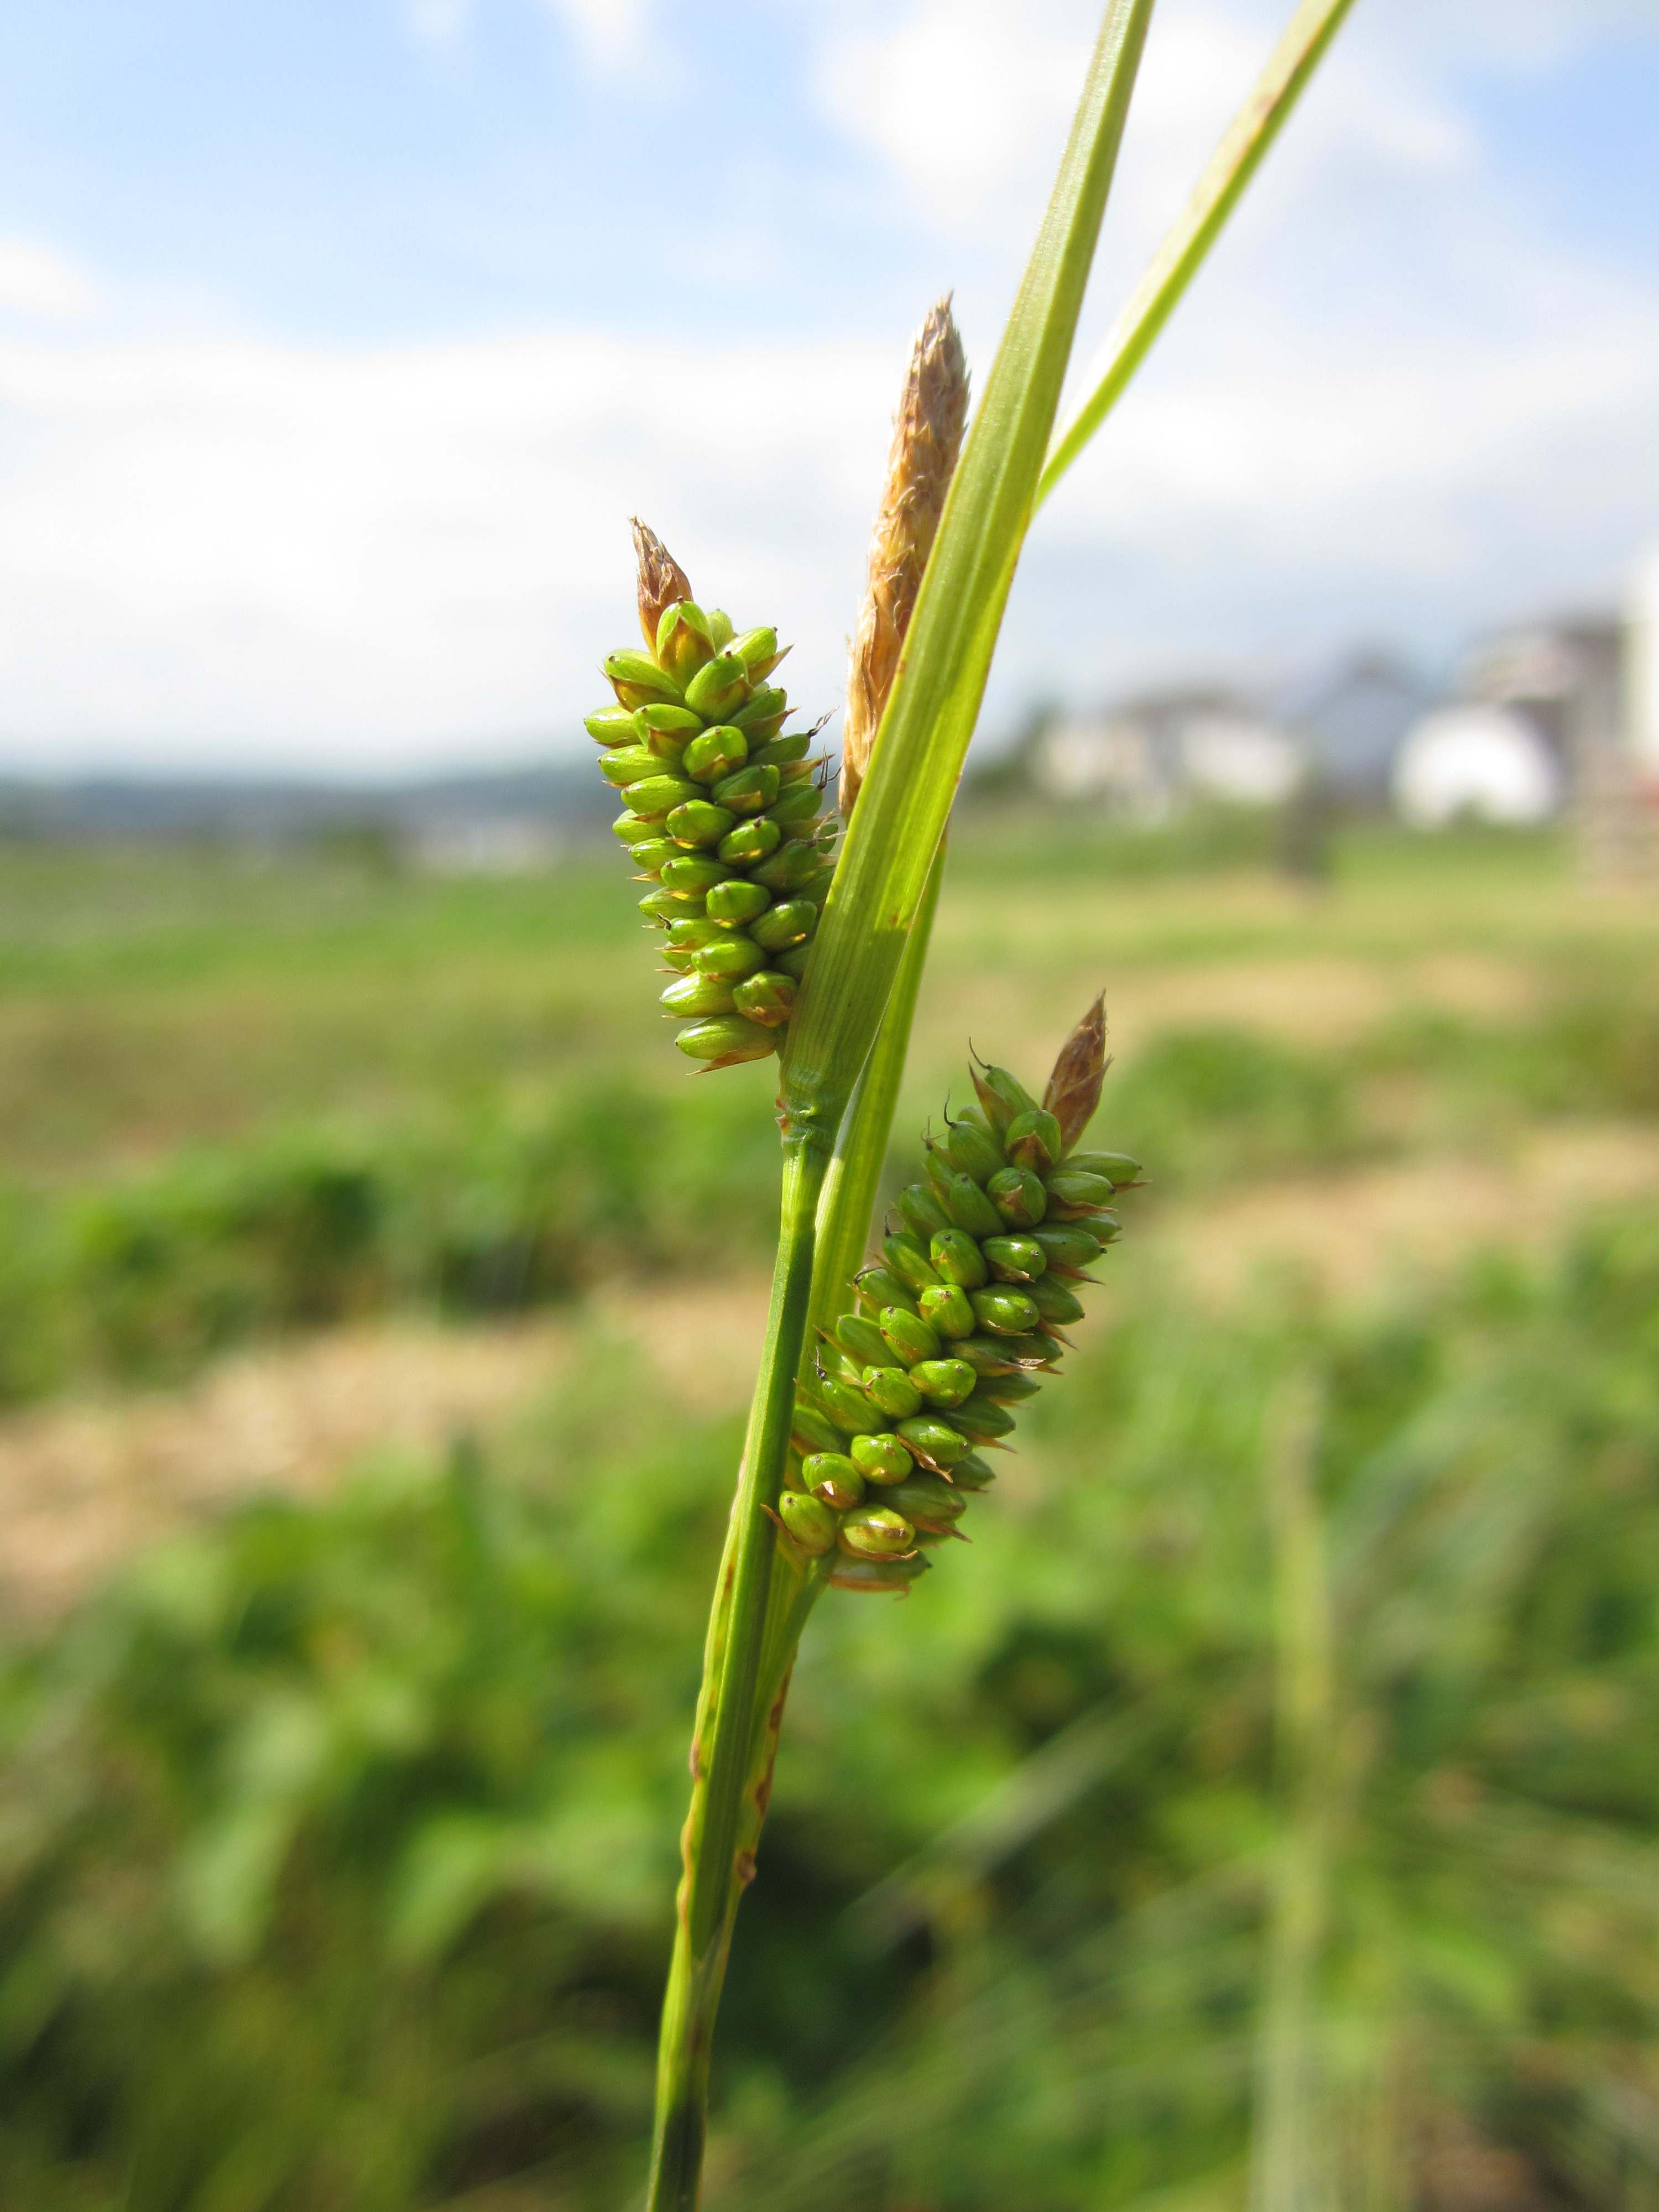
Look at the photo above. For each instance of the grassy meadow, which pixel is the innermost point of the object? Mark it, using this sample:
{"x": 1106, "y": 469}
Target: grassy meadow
{"x": 1262, "y": 1808}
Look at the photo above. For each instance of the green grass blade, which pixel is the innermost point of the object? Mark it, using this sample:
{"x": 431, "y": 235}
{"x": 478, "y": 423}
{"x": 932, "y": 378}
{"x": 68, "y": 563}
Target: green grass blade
{"x": 923, "y": 739}
{"x": 1177, "y": 260}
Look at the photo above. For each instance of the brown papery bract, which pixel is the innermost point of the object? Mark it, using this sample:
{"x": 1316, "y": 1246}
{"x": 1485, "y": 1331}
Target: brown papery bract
{"x": 927, "y": 439}
{"x": 663, "y": 582}
{"x": 1073, "y": 1089}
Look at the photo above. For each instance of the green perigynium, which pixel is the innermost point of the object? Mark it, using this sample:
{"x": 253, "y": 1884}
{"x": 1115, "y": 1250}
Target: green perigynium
{"x": 957, "y": 1323}
{"x": 723, "y": 813}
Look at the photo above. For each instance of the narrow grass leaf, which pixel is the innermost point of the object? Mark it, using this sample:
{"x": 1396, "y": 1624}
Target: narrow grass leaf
{"x": 930, "y": 715}
{"x": 1214, "y": 196}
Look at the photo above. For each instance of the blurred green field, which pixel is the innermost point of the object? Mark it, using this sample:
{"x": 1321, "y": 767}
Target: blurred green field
{"x": 336, "y": 1832}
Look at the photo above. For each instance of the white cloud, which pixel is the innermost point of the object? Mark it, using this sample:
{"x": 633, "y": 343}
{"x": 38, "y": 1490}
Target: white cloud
{"x": 609, "y": 33}
{"x": 439, "y": 25}
{"x": 37, "y": 280}
{"x": 249, "y": 554}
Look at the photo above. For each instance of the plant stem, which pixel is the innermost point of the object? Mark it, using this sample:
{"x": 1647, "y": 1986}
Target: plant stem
{"x": 753, "y": 1630}
{"x": 848, "y": 1200}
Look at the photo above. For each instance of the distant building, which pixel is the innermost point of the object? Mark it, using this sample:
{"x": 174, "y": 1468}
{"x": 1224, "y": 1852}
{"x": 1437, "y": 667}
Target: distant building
{"x": 1146, "y": 756}
{"x": 1352, "y": 721}
{"x": 1472, "y": 761}
{"x": 1642, "y": 685}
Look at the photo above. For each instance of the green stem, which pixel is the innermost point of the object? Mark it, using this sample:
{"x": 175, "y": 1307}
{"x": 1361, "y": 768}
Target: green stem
{"x": 854, "y": 1183}
{"x": 753, "y": 1630}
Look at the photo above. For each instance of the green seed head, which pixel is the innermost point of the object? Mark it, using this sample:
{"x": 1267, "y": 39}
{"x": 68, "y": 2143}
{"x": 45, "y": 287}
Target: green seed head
{"x": 921, "y": 1211}
{"x": 1067, "y": 1244}
{"x": 875, "y": 1532}
{"x": 833, "y": 1477}
{"x": 980, "y": 1418}
{"x": 725, "y": 1040}
{"x": 789, "y": 923}
{"x": 964, "y": 1202}
{"x": 796, "y": 808}
{"x": 1001, "y": 1095}
{"x": 790, "y": 867}
{"x": 767, "y": 997}
{"x": 985, "y": 1355}
{"x": 973, "y": 1473}
{"x": 930, "y": 1439}
{"x": 651, "y": 853}
{"x": 926, "y": 1501}
{"x": 658, "y": 794}
{"x": 908, "y": 1262}
{"x": 880, "y": 1458}
{"x": 1055, "y": 1302}
{"x": 909, "y": 1337}
{"x": 749, "y": 842}
{"x": 720, "y": 628}
{"x": 632, "y": 831}
{"x": 695, "y": 996}
{"x": 860, "y": 1338}
{"x": 626, "y": 764}
{"x": 737, "y": 900}
{"x": 690, "y": 936}
{"x": 1018, "y": 1197}
{"x": 688, "y": 874}
{"x": 765, "y": 705}
{"x": 812, "y": 1431}
{"x": 1004, "y": 1312}
{"x": 943, "y": 1381}
{"x": 663, "y": 906}
{"x": 610, "y": 726}
{"x": 1034, "y": 1352}
{"x": 1015, "y": 1259}
{"x": 684, "y": 642}
{"x": 956, "y": 1256}
{"x": 1011, "y": 1389}
{"x": 809, "y": 1522}
{"x": 783, "y": 752}
{"x": 730, "y": 955}
{"x": 1033, "y": 1140}
{"x": 973, "y": 1150}
{"x": 700, "y": 822}
{"x": 794, "y": 963}
{"x": 757, "y": 649}
{"x": 665, "y": 726}
{"x": 889, "y": 1577}
{"x": 749, "y": 791}
{"x": 715, "y": 754}
{"x": 638, "y": 682}
{"x": 847, "y": 1407}
{"x": 879, "y": 1288}
{"x": 1076, "y": 1194}
{"x": 719, "y": 686}
{"x": 1119, "y": 1169}
{"x": 891, "y": 1388}
{"x": 945, "y": 1309}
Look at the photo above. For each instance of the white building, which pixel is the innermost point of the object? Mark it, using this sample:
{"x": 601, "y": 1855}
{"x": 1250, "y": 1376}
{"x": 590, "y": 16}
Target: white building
{"x": 1471, "y": 760}
{"x": 1147, "y": 756}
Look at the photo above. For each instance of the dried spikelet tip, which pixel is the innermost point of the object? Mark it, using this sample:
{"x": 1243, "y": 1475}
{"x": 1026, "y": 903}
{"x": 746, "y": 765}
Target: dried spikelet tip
{"x": 927, "y": 439}
{"x": 1073, "y": 1090}
{"x": 663, "y": 582}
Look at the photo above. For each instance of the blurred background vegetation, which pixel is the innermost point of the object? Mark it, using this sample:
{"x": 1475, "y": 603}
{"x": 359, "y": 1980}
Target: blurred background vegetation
{"x": 1263, "y": 1808}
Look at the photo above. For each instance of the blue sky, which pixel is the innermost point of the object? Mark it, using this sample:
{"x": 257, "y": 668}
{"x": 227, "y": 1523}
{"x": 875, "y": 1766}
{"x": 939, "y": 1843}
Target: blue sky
{"x": 337, "y": 342}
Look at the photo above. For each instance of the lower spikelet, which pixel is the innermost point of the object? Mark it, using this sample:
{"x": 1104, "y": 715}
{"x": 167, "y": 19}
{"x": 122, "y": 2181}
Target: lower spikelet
{"x": 957, "y": 1322}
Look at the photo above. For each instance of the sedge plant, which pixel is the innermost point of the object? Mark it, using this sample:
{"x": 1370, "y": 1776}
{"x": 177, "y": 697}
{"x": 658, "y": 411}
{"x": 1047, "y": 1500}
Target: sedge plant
{"x": 878, "y": 1391}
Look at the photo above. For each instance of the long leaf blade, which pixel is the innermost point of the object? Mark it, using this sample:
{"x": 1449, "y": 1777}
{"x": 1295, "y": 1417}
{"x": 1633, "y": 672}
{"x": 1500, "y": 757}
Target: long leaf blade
{"x": 1217, "y": 191}
{"x": 930, "y": 716}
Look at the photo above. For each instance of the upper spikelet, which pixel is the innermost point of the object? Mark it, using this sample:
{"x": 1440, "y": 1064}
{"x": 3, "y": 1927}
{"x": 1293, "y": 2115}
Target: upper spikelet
{"x": 927, "y": 439}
